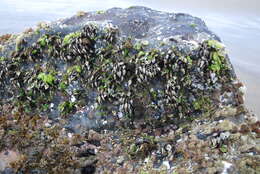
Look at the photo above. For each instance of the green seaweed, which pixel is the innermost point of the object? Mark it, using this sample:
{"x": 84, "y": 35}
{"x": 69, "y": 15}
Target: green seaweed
{"x": 138, "y": 46}
{"x": 215, "y": 44}
{"x": 2, "y": 59}
{"x": 69, "y": 37}
{"x": 75, "y": 68}
{"x": 100, "y": 12}
{"x": 43, "y": 40}
{"x": 66, "y": 107}
{"x": 37, "y": 31}
{"x": 45, "y": 107}
{"x": 189, "y": 60}
{"x": 223, "y": 149}
{"x": 193, "y": 25}
{"x": 203, "y": 103}
{"x": 63, "y": 86}
{"x": 34, "y": 52}
{"x": 217, "y": 62}
{"x": 47, "y": 78}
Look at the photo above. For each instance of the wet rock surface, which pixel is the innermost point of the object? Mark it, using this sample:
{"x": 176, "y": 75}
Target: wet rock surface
{"x": 125, "y": 90}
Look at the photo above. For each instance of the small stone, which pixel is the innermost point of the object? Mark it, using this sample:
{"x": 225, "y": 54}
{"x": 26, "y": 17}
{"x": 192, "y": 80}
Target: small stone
{"x": 47, "y": 124}
{"x": 226, "y": 125}
{"x": 244, "y": 129}
{"x": 120, "y": 160}
{"x": 145, "y": 43}
{"x": 70, "y": 135}
{"x": 7, "y": 157}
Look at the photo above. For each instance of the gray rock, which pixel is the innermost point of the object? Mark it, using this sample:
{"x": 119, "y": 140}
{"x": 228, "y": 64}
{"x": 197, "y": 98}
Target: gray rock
{"x": 118, "y": 66}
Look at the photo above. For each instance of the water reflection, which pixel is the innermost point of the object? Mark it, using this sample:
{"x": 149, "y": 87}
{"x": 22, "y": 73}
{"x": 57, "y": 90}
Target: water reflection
{"x": 236, "y": 22}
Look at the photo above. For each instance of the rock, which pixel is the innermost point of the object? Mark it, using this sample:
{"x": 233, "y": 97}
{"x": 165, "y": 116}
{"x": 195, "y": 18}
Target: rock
{"x": 120, "y": 160}
{"x": 226, "y": 125}
{"x": 104, "y": 69}
{"x": 6, "y": 158}
{"x": 134, "y": 90}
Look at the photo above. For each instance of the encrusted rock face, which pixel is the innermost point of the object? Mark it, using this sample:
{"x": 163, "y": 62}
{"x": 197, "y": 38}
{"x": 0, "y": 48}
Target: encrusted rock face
{"x": 119, "y": 64}
{"x": 111, "y": 71}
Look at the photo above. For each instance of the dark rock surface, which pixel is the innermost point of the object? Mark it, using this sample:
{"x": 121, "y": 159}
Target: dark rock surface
{"x": 127, "y": 90}
{"x": 171, "y": 61}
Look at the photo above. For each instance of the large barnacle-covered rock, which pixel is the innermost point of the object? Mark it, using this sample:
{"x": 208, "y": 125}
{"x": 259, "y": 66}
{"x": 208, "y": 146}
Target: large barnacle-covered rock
{"x": 130, "y": 90}
{"x": 123, "y": 64}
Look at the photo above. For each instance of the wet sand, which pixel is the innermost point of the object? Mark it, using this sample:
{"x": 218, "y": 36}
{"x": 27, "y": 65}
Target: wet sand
{"x": 236, "y": 22}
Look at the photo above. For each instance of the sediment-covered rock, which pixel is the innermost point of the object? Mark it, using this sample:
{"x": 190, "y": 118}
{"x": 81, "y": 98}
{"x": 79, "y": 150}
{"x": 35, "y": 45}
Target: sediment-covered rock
{"x": 126, "y": 90}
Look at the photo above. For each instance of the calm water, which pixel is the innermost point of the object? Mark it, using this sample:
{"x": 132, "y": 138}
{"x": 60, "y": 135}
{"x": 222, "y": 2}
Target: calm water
{"x": 237, "y": 22}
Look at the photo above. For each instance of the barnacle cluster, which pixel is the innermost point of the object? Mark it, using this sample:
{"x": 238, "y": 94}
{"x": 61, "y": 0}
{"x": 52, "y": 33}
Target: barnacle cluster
{"x": 128, "y": 75}
{"x": 87, "y": 98}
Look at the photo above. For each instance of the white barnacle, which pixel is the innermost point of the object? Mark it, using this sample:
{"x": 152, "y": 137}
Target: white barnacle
{"x": 119, "y": 73}
{"x": 99, "y": 99}
{"x": 124, "y": 72}
{"x": 129, "y": 82}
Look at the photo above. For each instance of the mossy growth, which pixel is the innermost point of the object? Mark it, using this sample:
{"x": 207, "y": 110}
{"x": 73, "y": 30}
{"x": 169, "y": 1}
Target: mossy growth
{"x": 142, "y": 150}
{"x": 75, "y": 68}
{"x": 214, "y": 44}
{"x": 2, "y": 59}
{"x": 47, "y": 78}
{"x": 223, "y": 149}
{"x": 138, "y": 46}
{"x": 217, "y": 62}
{"x": 63, "y": 86}
{"x": 203, "y": 104}
{"x": 100, "y": 12}
{"x": 69, "y": 37}
{"x": 45, "y": 107}
{"x": 43, "y": 40}
{"x": 37, "y": 31}
{"x": 189, "y": 60}
{"x": 34, "y": 52}
{"x": 193, "y": 25}
{"x": 66, "y": 107}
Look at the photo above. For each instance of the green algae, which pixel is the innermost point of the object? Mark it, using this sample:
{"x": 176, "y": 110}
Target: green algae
{"x": 100, "y": 12}
{"x": 43, "y": 40}
{"x": 203, "y": 103}
{"x": 217, "y": 55}
{"x": 189, "y": 60}
{"x": 217, "y": 62}
{"x": 63, "y": 86}
{"x": 34, "y": 52}
{"x": 75, "y": 68}
{"x": 68, "y": 38}
{"x": 47, "y": 78}
{"x": 2, "y": 59}
{"x": 66, "y": 107}
{"x": 214, "y": 44}
{"x": 193, "y": 25}
{"x": 223, "y": 149}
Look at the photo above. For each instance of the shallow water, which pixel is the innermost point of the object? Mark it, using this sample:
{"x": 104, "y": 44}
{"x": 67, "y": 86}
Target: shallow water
{"x": 236, "y": 22}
